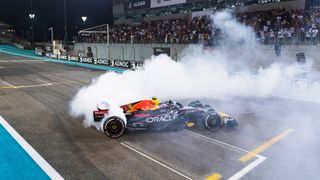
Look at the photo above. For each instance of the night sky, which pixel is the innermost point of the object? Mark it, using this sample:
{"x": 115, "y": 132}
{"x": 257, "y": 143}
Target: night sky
{"x": 49, "y": 13}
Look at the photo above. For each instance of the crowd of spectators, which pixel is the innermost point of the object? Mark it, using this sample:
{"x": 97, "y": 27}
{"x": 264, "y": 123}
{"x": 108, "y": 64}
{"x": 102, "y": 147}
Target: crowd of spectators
{"x": 278, "y": 25}
{"x": 177, "y": 31}
{"x": 6, "y": 33}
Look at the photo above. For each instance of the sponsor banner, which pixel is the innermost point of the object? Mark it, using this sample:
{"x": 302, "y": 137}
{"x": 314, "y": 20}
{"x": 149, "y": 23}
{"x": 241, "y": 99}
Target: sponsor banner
{"x": 312, "y": 4}
{"x": 192, "y": 1}
{"x": 40, "y": 53}
{"x": 100, "y": 61}
{"x": 63, "y": 57}
{"x": 54, "y": 56}
{"x": 161, "y": 3}
{"x": 88, "y": 60}
{"x": 136, "y": 64}
{"x": 202, "y": 13}
{"x": 85, "y": 35}
{"x": 136, "y": 4}
{"x": 267, "y": 1}
{"x": 161, "y": 50}
{"x": 120, "y": 63}
{"x": 264, "y": 1}
{"x": 125, "y": 64}
{"x": 20, "y": 46}
{"x": 164, "y": 118}
{"x": 74, "y": 58}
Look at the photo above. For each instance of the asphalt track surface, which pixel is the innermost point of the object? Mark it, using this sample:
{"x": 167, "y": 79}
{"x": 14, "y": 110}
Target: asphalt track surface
{"x": 283, "y": 136}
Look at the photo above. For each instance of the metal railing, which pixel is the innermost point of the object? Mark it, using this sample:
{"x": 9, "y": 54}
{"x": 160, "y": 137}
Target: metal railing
{"x": 296, "y": 39}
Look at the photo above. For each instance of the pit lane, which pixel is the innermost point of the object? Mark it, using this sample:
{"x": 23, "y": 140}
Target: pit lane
{"x": 34, "y": 100}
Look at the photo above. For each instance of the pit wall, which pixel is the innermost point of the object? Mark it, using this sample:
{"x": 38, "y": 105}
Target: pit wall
{"x": 140, "y": 52}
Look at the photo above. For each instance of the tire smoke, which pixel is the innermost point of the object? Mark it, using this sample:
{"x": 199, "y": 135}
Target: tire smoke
{"x": 229, "y": 71}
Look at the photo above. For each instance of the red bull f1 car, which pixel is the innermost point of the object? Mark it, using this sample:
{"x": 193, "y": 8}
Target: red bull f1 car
{"x": 167, "y": 115}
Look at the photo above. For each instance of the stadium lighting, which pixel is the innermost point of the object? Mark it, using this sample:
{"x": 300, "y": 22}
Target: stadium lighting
{"x": 84, "y": 18}
{"x": 32, "y": 16}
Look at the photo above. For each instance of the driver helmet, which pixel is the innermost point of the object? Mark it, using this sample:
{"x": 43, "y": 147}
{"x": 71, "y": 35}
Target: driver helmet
{"x": 103, "y": 106}
{"x": 170, "y": 103}
{"x": 155, "y": 100}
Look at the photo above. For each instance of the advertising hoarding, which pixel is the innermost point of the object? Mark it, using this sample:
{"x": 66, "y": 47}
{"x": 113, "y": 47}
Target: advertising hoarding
{"x": 161, "y": 3}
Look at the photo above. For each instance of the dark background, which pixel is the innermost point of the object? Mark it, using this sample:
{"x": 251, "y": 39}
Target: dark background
{"x": 50, "y": 13}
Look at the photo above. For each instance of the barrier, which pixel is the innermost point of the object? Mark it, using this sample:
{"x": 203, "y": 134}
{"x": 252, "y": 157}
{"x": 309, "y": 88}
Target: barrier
{"x": 125, "y": 64}
{"x": 303, "y": 87}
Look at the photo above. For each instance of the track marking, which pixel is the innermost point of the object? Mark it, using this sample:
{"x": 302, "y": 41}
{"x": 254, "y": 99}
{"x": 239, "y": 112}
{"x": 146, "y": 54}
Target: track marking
{"x": 63, "y": 78}
{"x": 243, "y": 171}
{"x": 8, "y": 85}
{"x": 38, "y": 85}
{"x": 215, "y": 176}
{"x": 150, "y": 158}
{"x": 248, "y": 168}
{"x": 264, "y": 146}
{"x": 20, "y": 61}
{"x": 44, "y": 165}
{"x": 215, "y": 141}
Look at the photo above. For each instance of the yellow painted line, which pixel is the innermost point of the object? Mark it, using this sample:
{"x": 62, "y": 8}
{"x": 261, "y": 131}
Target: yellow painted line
{"x": 264, "y": 146}
{"x": 8, "y": 87}
{"x": 215, "y": 176}
{"x": 36, "y": 85}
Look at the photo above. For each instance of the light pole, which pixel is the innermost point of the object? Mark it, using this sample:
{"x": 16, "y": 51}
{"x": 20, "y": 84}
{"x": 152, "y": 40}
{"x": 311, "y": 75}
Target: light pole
{"x": 51, "y": 29}
{"x": 84, "y": 18}
{"x": 65, "y": 22}
{"x": 32, "y": 16}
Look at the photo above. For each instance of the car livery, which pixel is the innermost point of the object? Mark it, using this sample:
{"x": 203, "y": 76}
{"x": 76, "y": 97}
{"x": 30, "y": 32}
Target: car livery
{"x": 168, "y": 115}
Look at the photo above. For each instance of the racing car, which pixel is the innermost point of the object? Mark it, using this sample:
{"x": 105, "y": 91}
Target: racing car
{"x": 169, "y": 115}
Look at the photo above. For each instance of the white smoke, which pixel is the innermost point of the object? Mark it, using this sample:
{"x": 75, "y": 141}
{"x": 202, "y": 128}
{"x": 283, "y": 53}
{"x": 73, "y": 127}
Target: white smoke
{"x": 225, "y": 73}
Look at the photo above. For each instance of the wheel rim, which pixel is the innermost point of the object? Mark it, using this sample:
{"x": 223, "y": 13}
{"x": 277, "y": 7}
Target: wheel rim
{"x": 213, "y": 122}
{"x": 114, "y": 127}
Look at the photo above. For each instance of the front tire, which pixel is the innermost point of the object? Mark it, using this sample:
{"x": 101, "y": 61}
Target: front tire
{"x": 213, "y": 122}
{"x": 114, "y": 127}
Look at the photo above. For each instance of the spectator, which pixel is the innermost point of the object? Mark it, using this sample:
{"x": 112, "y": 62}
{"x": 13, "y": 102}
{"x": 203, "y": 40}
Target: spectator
{"x": 297, "y": 26}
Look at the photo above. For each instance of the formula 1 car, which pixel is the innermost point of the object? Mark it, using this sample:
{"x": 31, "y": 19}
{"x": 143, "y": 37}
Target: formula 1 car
{"x": 169, "y": 115}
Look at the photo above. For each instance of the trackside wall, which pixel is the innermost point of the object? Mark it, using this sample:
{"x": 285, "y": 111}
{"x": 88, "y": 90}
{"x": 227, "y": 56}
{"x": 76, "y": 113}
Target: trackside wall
{"x": 140, "y": 52}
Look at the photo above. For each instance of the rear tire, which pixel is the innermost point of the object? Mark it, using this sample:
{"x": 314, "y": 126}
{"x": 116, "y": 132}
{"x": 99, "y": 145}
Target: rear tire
{"x": 213, "y": 122}
{"x": 114, "y": 127}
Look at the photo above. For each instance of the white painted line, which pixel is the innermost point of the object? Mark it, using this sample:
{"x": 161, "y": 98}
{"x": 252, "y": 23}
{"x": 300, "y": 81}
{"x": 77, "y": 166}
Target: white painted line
{"x": 6, "y": 83}
{"x": 45, "y": 166}
{"x": 215, "y": 141}
{"x": 248, "y": 168}
{"x": 150, "y": 158}
{"x": 45, "y": 82}
{"x": 243, "y": 171}
{"x": 20, "y": 61}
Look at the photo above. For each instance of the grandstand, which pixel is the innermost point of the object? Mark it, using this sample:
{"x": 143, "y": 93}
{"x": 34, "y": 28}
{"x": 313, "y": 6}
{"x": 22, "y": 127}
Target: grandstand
{"x": 134, "y": 11}
{"x": 6, "y": 33}
{"x": 275, "y": 25}
{"x": 177, "y": 23}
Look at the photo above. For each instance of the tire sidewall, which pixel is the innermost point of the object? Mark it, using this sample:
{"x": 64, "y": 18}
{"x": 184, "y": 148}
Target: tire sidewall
{"x": 108, "y": 121}
{"x": 216, "y": 127}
